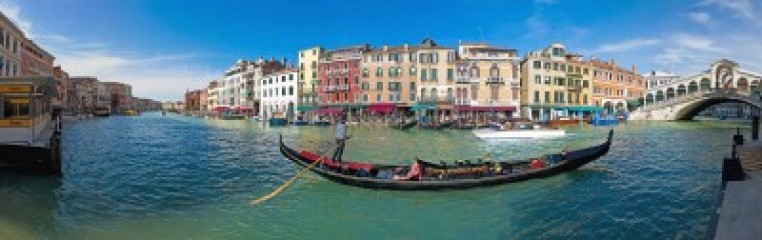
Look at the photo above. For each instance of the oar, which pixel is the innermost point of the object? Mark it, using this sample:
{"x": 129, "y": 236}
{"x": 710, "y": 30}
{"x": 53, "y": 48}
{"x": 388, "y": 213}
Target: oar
{"x": 289, "y": 182}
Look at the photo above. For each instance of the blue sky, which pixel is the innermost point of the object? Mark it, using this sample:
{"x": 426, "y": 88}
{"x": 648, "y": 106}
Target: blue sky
{"x": 163, "y": 47}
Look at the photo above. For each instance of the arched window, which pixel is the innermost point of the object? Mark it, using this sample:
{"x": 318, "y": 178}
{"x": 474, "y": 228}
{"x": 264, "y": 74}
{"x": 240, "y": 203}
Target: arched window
{"x": 434, "y": 93}
{"x": 649, "y": 98}
{"x": 681, "y": 90}
{"x": 706, "y": 84}
{"x": 475, "y": 71}
{"x": 692, "y": 87}
{"x": 742, "y": 85}
{"x": 659, "y": 96}
{"x": 423, "y": 93}
{"x": 670, "y": 93}
{"x": 494, "y": 71}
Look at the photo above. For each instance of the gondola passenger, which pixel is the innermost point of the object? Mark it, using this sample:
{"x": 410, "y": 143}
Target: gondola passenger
{"x": 415, "y": 173}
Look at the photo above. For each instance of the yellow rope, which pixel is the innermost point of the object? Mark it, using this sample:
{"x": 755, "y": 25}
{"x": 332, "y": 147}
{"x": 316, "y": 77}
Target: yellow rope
{"x": 288, "y": 183}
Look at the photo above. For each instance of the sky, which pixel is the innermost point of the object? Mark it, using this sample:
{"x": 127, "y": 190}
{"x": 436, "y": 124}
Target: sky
{"x": 165, "y": 47}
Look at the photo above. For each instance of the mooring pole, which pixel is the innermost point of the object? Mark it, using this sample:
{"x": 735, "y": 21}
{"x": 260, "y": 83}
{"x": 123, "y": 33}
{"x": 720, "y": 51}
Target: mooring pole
{"x": 755, "y": 128}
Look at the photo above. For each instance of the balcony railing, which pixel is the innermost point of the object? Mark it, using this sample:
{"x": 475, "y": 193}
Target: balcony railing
{"x": 337, "y": 88}
{"x": 495, "y": 80}
{"x": 437, "y": 100}
{"x": 574, "y": 88}
{"x": 466, "y": 80}
{"x": 485, "y": 102}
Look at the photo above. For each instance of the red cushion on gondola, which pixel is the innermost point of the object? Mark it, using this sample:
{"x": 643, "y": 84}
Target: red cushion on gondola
{"x": 314, "y": 157}
{"x": 357, "y": 166}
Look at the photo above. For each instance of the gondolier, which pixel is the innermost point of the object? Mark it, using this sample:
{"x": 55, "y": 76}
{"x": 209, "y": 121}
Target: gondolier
{"x": 341, "y": 137}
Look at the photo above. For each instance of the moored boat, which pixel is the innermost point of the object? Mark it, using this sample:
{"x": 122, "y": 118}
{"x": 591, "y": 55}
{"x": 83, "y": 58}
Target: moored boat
{"x": 438, "y": 126}
{"x": 278, "y": 121}
{"x": 406, "y": 125}
{"x": 442, "y": 176}
{"x": 519, "y": 134}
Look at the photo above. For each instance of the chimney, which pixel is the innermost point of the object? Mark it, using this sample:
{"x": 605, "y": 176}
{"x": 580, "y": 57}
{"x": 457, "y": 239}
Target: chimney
{"x": 284, "y": 61}
{"x": 633, "y": 69}
{"x": 386, "y": 48}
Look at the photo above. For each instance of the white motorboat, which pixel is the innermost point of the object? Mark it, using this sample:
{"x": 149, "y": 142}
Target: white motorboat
{"x": 491, "y": 133}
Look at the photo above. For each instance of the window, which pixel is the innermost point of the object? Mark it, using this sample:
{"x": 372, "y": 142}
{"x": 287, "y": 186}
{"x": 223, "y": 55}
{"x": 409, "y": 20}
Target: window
{"x": 314, "y": 74}
{"x": 283, "y": 78}
{"x": 434, "y": 74}
{"x": 537, "y": 79}
{"x": 364, "y": 97}
{"x": 536, "y": 96}
{"x": 585, "y": 84}
{"x": 15, "y": 108}
{"x": 412, "y": 70}
{"x": 378, "y": 97}
{"x": 283, "y": 91}
{"x": 392, "y": 71}
{"x": 547, "y": 66}
{"x": 379, "y": 72}
{"x": 423, "y": 75}
{"x": 379, "y": 86}
{"x": 547, "y": 97}
{"x": 584, "y": 98}
{"x": 365, "y": 72}
{"x": 547, "y": 80}
{"x": 291, "y": 77}
{"x": 413, "y": 57}
{"x": 365, "y": 86}
{"x": 357, "y": 80}
{"x": 555, "y": 67}
{"x": 537, "y": 64}
{"x": 450, "y": 74}
{"x": 412, "y": 87}
{"x": 291, "y": 91}
{"x": 585, "y": 71}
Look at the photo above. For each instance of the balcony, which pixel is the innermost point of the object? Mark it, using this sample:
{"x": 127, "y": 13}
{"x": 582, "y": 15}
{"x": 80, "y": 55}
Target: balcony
{"x": 574, "y": 88}
{"x": 463, "y": 79}
{"x": 337, "y": 88}
{"x": 495, "y": 80}
{"x": 436, "y": 100}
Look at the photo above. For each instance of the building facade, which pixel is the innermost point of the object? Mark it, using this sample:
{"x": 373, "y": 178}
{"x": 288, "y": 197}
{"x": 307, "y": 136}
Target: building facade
{"x": 616, "y": 89}
{"x": 339, "y": 72}
{"x": 10, "y": 47}
{"x": 35, "y": 61}
{"x": 82, "y": 92}
{"x": 555, "y": 84}
{"x": 62, "y": 80}
{"x": 658, "y": 78}
{"x": 120, "y": 96}
{"x": 309, "y": 81}
{"x": 280, "y": 93}
{"x": 487, "y": 80}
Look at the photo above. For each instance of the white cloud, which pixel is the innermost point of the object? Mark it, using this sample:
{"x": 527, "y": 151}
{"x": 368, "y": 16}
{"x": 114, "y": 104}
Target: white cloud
{"x": 627, "y": 45}
{"x": 159, "y": 76}
{"x": 701, "y": 18}
{"x": 695, "y": 42}
{"x": 742, "y": 9}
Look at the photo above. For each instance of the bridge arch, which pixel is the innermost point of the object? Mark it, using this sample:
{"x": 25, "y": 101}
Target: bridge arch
{"x": 649, "y": 98}
{"x": 693, "y": 109}
{"x": 670, "y": 93}
{"x": 681, "y": 90}
{"x": 706, "y": 84}
{"x": 742, "y": 84}
{"x": 692, "y": 87}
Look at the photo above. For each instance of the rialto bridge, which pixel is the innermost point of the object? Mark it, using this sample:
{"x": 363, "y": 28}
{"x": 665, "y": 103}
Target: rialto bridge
{"x": 683, "y": 99}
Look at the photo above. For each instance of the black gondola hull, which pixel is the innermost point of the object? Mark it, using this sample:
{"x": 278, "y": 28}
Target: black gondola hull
{"x": 574, "y": 160}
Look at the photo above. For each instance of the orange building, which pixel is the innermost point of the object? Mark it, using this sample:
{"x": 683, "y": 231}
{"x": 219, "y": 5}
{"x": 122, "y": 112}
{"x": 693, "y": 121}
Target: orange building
{"x": 616, "y": 89}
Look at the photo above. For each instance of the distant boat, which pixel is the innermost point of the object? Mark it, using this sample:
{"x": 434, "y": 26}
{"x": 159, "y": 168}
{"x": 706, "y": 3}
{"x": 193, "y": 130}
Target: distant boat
{"x": 131, "y": 113}
{"x": 405, "y": 126}
{"x": 519, "y": 134}
{"x": 277, "y": 121}
{"x": 102, "y": 112}
{"x": 233, "y": 117}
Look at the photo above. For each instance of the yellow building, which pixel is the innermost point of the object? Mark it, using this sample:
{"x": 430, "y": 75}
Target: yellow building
{"x": 308, "y": 79}
{"x": 487, "y": 80}
{"x": 555, "y": 84}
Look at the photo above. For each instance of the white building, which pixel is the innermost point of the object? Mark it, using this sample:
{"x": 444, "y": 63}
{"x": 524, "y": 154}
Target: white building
{"x": 238, "y": 88}
{"x": 279, "y": 93}
{"x": 658, "y": 78}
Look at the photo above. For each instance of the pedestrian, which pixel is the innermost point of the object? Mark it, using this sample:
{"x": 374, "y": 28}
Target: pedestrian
{"x": 341, "y": 137}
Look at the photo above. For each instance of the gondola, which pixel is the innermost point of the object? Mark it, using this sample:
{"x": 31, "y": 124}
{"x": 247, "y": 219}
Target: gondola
{"x": 443, "y": 176}
{"x": 405, "y": 126}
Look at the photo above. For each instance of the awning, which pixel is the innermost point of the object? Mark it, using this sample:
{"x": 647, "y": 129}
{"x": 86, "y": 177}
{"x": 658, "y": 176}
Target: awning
{"x": 585, "y": 108}
{"x": 382, "y": 108}
{"x": 306, "y": 108}
{"x": 330, "y": 111}
{"x": 633, "y": 102}
{"x": 419, "y": 107}
{"x": 467, "y": 108}
{"x": 220, "y": 108}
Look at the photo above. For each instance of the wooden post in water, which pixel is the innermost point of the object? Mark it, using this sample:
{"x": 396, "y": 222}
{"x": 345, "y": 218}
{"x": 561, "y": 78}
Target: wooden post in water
{"x": 755, "y": 128}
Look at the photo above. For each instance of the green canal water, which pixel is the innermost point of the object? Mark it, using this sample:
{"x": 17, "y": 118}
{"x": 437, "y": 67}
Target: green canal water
{"x": 175, "y": 177}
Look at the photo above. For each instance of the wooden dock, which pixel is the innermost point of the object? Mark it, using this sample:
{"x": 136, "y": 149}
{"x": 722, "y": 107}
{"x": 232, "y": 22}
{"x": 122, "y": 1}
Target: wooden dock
{"x": 740, "y": 214}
